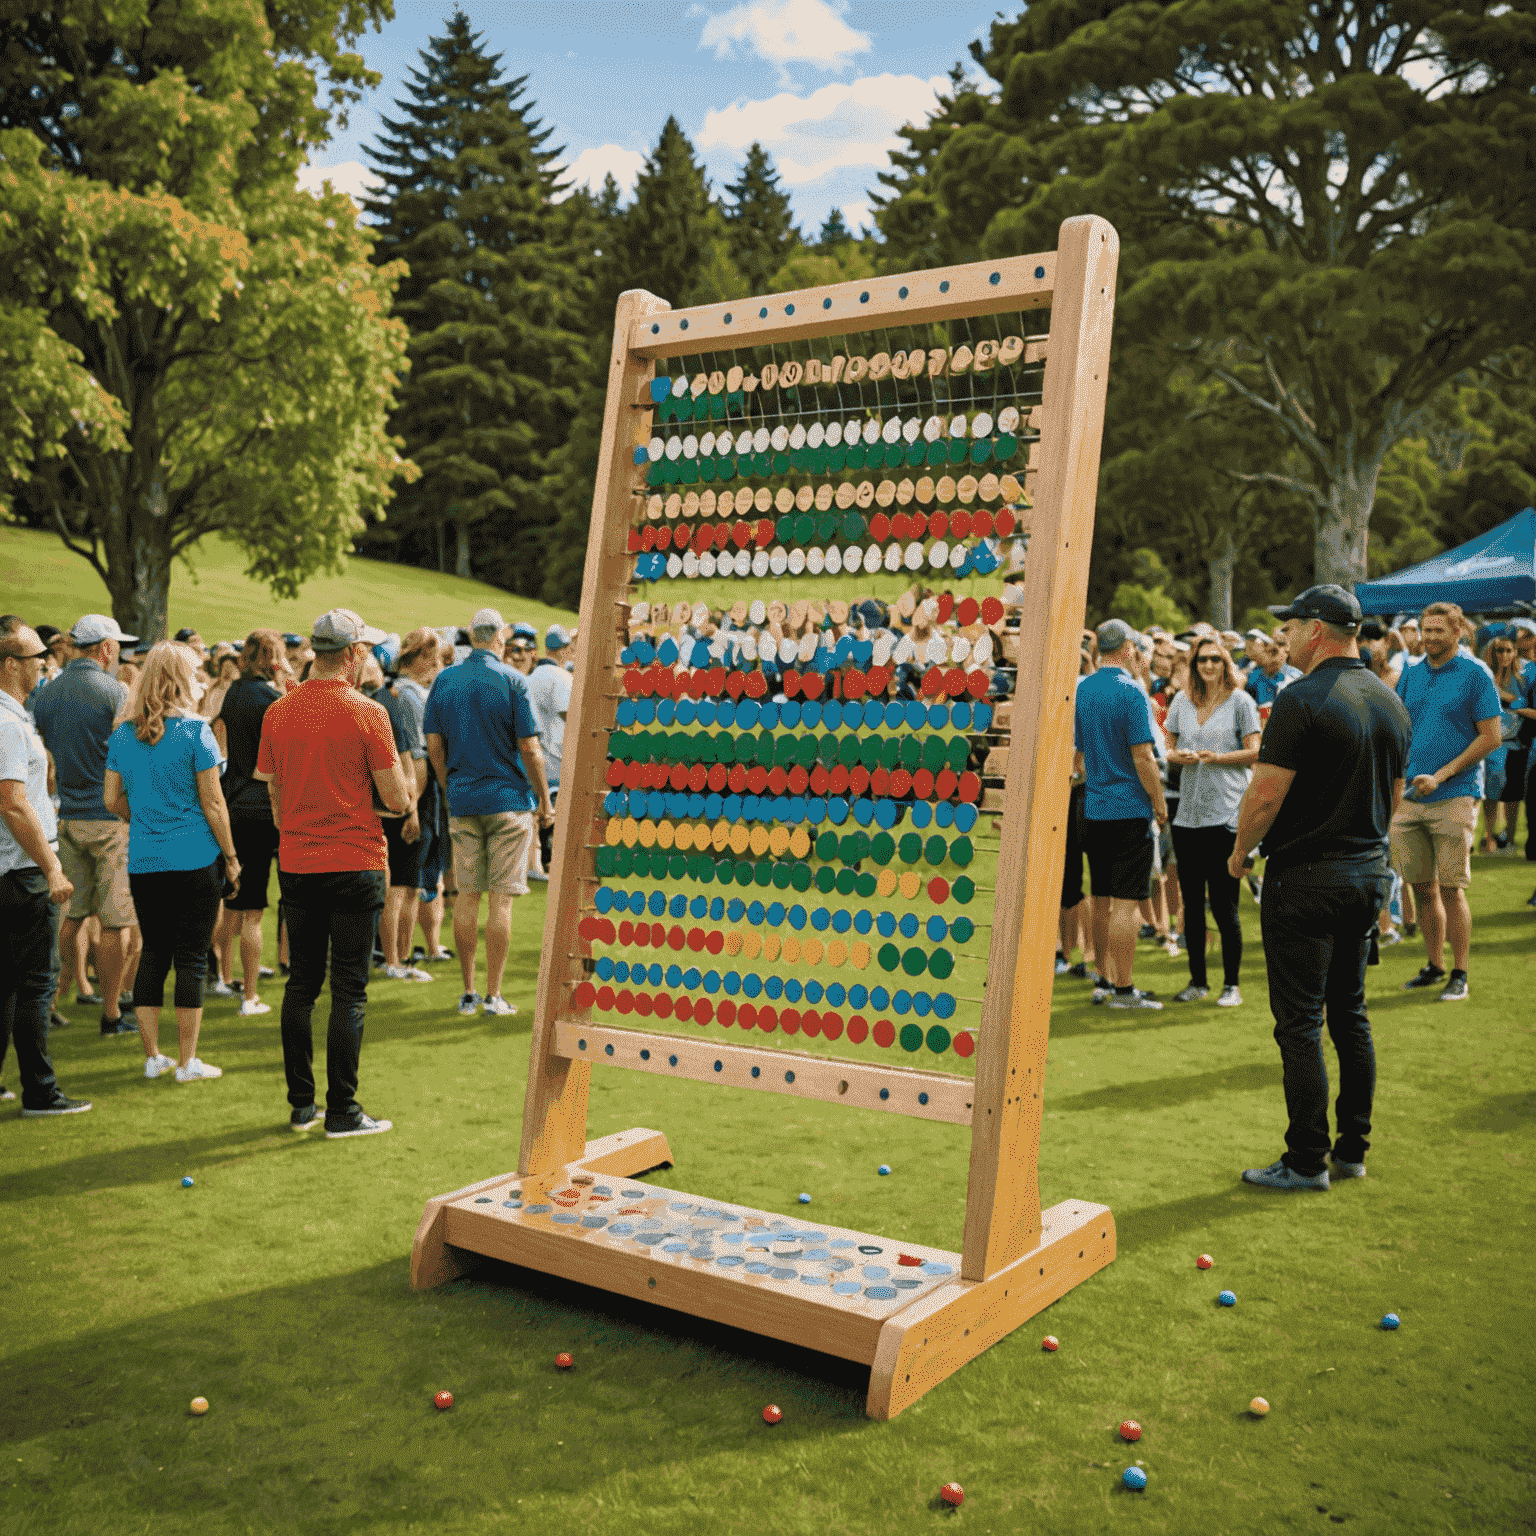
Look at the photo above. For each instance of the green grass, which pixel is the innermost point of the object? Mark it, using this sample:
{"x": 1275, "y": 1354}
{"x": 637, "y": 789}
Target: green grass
{"x": 47, "y": 584}
{"x": 278, "y": 1287}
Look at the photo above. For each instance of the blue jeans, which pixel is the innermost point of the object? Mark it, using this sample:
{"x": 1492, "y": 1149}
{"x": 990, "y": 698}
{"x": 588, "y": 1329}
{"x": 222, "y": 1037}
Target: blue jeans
{"x": 335, "y": 916}
{"x": 1317, "y": 921}
{"x": 29, "y": 973}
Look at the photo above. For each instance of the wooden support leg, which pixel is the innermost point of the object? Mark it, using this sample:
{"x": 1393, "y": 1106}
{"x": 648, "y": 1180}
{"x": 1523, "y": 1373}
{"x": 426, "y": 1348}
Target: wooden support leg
{"x": 933, "y": 1338}
{"x": 623, "y": 1155}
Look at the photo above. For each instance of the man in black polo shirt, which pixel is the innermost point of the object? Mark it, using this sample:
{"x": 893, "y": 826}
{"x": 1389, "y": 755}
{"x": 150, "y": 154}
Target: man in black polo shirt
{"x": 1329, "y": 776}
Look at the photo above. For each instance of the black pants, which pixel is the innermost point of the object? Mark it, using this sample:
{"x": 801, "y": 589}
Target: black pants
{"x": 177, "y": 911}
{"x": 29, "y": 973}
{"x": 335, "y": 917}
{"x": 1317, "y": 921}
{"x": 1201, "y": 855}
{"x": 1072, "y": 870}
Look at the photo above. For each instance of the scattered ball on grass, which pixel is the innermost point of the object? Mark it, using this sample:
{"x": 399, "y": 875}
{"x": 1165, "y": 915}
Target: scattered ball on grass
{"x": 199, "y": 1406}
{"x": 564, "y": 1361}
{"x": 186, "y": 1181}
{"x": 772, "y": 1414}
{"x": 883, "y": 1169}
{"x": 1134, "y": 1478}
{"x": 805, "y": 1199}
{"x": 1391, "y": 1321}
{"x": 443, "y": 1400}
{"x": 952, "y": 1494}
{"x": 1050, "y": 1343}
{"x": 1258, "y": 1407}
{"x": 1130, "y": 1430}
{"x": 1204, "y": 1261}
{"x": 1227, "y": 1299}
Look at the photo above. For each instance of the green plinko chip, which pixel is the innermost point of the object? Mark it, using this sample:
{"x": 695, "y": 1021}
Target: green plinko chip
{"x": 766, "y": 742}
{"x": 801, "y": 877}
{"x": 958, "y": 753}
{"x": 826, "y": 749}
{"x": 854, "y": 526}
{"x": 762, "y": 465}
{"x": 917, "y": 453}
{"x": 800, "y": 458}
{"x": 826, "y": 845}
{"x": 677, "y": 865}
{"x": 911, "y": 752}
{"x": 622, "y": 862}
{"x": 705, "y": 873}
{"x": 1007, "y": 446}
{"x": 763, "y": 872}
{"x": 746, "y": 872}
{"x": 849, "y": 751}
{"x": 604, "y": 860}
{"x": 816, "y": 460}
{"x": 890, "y": 753}
{"x": 911, "y": 1037}
{"x": 783, "y": 873}
{"x": 963, "y": 890}
{"x": 935, "y": 849}
{"x": 805, "y": 528}
{"x": 836, "y": 458}
{"x": 888, "y": 957}
{"x": 725, "y": 747}
{"x": 938, "y": 454}
{"x": 846, "y": 880}
{"x": 962, "y": 851}
{"x": 882, "y": 849}
{"x": 826, "y": 879}
{"x": 784, "y": 751}
{"x": 866, "y": 885}
{"x": 935, "y": 753}
{"x": 707, "y": 470}
{"x": 962, "y": 930}
{"x": 981, "y": 451}
{"x": 941, "y": 963}
{"x": 911, "y": 848}
{"x": 854, "y": 455}
{"x": 914, "y": 962}
{"x": 784, "y": 529}
{"x": 938, "y": 1039}
{"x": 781, "y": 464}
{"x": 826, "y": 526}
{"x": 805, "y": 751}
{"x": 895, "y": 455}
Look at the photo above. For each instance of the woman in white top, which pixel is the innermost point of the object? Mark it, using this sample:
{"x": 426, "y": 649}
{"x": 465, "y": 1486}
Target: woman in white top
{"x": 1213, "y": 735}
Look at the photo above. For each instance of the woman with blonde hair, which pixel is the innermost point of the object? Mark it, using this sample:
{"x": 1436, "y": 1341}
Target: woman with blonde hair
{"x": 163, "y": 779}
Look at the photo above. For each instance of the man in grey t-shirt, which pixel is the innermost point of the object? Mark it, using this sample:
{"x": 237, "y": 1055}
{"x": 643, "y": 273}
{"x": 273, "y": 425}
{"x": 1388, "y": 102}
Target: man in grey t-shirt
{"x": 75, "y": 715}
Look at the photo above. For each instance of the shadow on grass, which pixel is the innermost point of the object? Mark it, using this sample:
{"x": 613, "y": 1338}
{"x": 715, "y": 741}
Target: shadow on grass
{"x": 1502, "y": 1114}
{"x": 1153, "y": 1223}
{"x": 1164, "y": 1092}
{"x": 322, "y": 1416}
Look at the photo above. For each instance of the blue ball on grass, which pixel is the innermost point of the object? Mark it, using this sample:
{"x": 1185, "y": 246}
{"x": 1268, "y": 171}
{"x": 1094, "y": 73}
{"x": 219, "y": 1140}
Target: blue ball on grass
{"x": 805, "y": 1199}
{"x": 1227, "y": 1299}
{"x": 883, "y": 1169}
{"x": 1391, "y": 1321}
{"x": 1134, "y": 1478}
{"x": 186, "y": 1181}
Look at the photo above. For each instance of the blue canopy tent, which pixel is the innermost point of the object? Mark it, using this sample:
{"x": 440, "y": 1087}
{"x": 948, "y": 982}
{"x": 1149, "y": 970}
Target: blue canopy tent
{"x": 1493, "y": 573}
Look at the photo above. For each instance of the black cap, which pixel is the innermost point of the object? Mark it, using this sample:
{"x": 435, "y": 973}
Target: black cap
{"x": 185, "y": 634}
{"x": 48, "y": 633}
{"x": 1331, "y": 604}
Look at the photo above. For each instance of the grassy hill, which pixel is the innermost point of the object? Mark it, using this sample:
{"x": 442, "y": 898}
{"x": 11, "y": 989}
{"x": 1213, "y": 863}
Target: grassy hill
{"x": 47, "y": 584}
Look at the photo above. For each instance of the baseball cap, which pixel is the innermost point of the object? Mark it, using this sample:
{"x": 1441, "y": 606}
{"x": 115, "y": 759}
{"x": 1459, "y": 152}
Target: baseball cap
{"x": 184, "y": 635}
{"x": 1112, "y": 634}
{"x": 556, "y": 637}
{"x": 1330, "y": 603}
{"x": 1255, "y": 634}
{"x": 523, "y": 630}
{"x": 1526, "y": 624}
{"x": 338, "y": 628}
{"x": 93, "y": 628}
{"x": 292, "y": 640}
{"x": 48, "y": 633}
{"x": 487, "y": 618}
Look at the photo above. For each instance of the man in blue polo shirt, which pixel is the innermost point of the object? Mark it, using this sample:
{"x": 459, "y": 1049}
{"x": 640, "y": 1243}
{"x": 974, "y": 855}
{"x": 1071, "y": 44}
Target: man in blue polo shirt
{"x": 1455, "y": 711}
{"x": 1270, "y": 672}
{"x": 483, "y": 743}
{"x": 1113, "y": 734}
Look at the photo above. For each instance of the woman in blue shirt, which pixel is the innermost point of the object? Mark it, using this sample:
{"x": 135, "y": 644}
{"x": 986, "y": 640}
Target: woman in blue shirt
{"x": 163, "y": 780}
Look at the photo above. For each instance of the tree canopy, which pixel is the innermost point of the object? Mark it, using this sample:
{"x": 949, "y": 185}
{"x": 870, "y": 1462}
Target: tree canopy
{"x": 760, "y": 229}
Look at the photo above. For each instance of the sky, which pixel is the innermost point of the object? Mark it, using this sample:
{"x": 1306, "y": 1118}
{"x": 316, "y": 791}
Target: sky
{"x": 823, "y": 85}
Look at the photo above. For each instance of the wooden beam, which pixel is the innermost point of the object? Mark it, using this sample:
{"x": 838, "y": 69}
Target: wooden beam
{"x": 836, "y": 309}
{"x": 800, "y": 1074}
{"x": 1002, "y": 1209}
{"x": 555, "y": 1105}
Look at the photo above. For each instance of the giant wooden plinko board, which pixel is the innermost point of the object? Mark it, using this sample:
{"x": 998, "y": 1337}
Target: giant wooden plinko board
{"x": 779, "y": 867}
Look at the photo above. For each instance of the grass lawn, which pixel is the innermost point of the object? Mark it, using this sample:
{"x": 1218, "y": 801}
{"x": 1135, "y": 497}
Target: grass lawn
{"x": 47, "y": 584}
{"x": 278, "y": 1288}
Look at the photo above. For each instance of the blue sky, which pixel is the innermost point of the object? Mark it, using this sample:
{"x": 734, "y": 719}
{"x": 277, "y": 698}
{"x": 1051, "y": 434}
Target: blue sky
{"x": 822, "y": 84}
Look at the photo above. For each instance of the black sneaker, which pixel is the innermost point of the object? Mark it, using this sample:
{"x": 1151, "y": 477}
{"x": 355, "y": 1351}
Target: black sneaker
{"x": 363, "y": 1125}
{"x": 1456, "y": 989}
{"x": 1429, "y": 976}
{"x": 282, "y": 967}
{"x": 120, "y": 1026}
{"x": 307, "y": 1118}
{"x": 57, "y": 1020}
{"x": 1147, "y": 932}
{"x": 1080, "y": 971}
{"x": 60, "y": 1106}
{"x": 88, "y": 1000}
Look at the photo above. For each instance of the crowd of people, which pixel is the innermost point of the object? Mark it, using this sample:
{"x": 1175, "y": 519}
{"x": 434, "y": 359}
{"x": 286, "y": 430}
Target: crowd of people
{"x": 146, "y": 792}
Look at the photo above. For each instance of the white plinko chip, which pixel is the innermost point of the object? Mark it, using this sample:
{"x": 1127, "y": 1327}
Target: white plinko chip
{"x": 778, "y": 560}
{"x": 797, "y": 436}
{"x": 910, "y": 429}
{"x": 757, "y": 611}
{"x": 981, "y": 424}
{"x": 981, "y": 652}
{"x": 1008, "y": 418}
{"x": 914, "y": 556}
{"x": 935, "y": 651}
{"x": 957, "y": 557}
{"x": 674, "y": 566}
{"x": 788, "y": 650}
{"x": 904, "y": 652}
{"x": 893, "y": 553}
{"x": 761, "y": 565}
{"x": 690, "y": 447}
{"x": 690, "y": 565}
{"x": 957, "y": 426}
{"x": 674, "y": 448}
{"x": 655, "y": 448}
{"x": 933, "y": 429}
{"x": 834, "y": 560}
{"x": 834, "y": 434}
{"x": 884, "y": 643}
{"x": 871, "y": 431}
{"x": 891, "y": 431}
{"x": 707, "y": 563}
{"x": 871, "y": 559}
{"x": 746, "y": 647}
{"x": 816, "y": 436}
{"x": 796, "y": 561}
{"x": 760, "y": 440}
{"x": 743, "y": 563}
{"x": 707, "y": 444}
{"x": 807, "y": 645}
{"x": 699, "y": 615}
{"x": 779, "y": 438}
{"x": 815, "y": 561}
{"x": 640, "y": 613}
{"x": 960, "y": 649}
{"x": 938, "y": 556}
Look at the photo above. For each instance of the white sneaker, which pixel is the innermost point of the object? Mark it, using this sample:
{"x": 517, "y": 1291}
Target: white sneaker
{"x": 498, "y": 1004}
{"x": 1391, "y": 936}
{"x": 218, "y": 987}
{"x": 542, "y": 876}
{"x": 251, "y": 1006}
{"x": 1230, "y": 998}
{"x": 196, "y": 1070}
{"x": 469, "y": 1004}
{"x": 407, "y": 973}
{"x": 155, "y": 1066}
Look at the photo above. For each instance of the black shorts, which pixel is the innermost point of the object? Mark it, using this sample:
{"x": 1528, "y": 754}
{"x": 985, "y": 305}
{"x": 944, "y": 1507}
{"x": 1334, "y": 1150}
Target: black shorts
{"x": 1072, "y": 870}
{"x": 404, "y": 857}
{"x": 256, "y": 848}
{"x": 1120, "y": 857}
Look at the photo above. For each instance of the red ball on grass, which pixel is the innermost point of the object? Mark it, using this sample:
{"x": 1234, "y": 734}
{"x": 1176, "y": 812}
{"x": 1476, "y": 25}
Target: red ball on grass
{"x": 952, "y": 1494}
{"x": 443, "y": 1400}
{"x": 1050, "y": 1343}
{"x": 1204, "y": 1261}
{"x": 564, "y": 1361}
{"x": 772, "y": 1414}
{"x": 1130, "y": 1430}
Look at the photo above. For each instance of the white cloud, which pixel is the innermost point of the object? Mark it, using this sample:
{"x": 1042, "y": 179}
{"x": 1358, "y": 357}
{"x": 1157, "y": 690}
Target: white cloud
{"x": 856, "y": 216}
{"x": 351, "y": 176}
{"x": 835, "y": 127}
{"x": 590, "y": 167}
{"x": 784, "y": 32}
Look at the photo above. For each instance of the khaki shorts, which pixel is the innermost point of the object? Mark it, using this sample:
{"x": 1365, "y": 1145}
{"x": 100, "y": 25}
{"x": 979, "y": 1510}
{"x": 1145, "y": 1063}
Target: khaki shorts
{"x": 95, "y": 858}
{"x": 1432, "y": 843}
{"x": 490, "y": 853}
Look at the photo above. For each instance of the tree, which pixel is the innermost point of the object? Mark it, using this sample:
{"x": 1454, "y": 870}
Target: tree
{"x": 494, "y": 307}
{"x": 1326, "y": 205}
{"x": 192, "y": 343}
{"x": 833, "y": 233}
{"x": 760, "y": 231}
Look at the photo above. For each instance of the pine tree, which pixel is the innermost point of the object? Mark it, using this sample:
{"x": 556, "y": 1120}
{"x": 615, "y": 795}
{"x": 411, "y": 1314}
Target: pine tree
{"x": 494, "y": 306}
{"x": 761, "y": 232}
{"x": 834, "y": 232}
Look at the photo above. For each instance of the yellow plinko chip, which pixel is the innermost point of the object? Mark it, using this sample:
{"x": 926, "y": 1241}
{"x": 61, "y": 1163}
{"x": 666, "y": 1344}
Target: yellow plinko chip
{"x": 685, "y": 836}
{"x": 758, "y": 840}
{"x": 739, "y": 839}
{"x": 771, "y": 946}
{"x": 792, "y": 948}
{"x": 613, "y": 834}
{"x": 837, "y": 952}
{"x": 733, "y": 943}
{"x": 751, "y": 946}
{"x": 631, "y": 831}
{"x": 911, "y": 884}
{"x": 885, "y": 883}
{"x": 858, "y": 955}
{"x": 647, "y": 834}
{"x": 778, "y": 842}
{"x": 812, "y": 951}
{"x": 720, "y": 836}
{"x": 665, "y": 834}
{"x": 800, "y": 842}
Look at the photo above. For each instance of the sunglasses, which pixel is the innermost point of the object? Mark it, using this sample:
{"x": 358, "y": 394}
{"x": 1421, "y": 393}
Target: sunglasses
{"x": 26, "y": 655}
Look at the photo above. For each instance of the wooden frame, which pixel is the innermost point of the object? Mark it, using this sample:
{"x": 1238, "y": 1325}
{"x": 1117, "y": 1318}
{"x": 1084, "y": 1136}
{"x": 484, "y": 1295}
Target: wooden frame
{"x": 1014, "y": 1259}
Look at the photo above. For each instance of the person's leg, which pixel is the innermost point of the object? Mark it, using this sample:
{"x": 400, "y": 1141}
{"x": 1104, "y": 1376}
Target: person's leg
{"x": 1123, "y": 928}
{"x": 394, "y": 905}
{"x": 309, "y": 940}
{"x": 1455, "y": 828}
{"x": 1191, "y": 881}
{"x": 1410, "y": 911}
{"x": 1299, "y": 949}
{"x": 1348, "y": 1025}
{"x": 430, "y": 915}
{"x": 354, "y": 919}
{"x": 466, "y": 933}
{"x": 133, "y": 945}
{"x": 1457, "y": 922}
{"x": 1216, "y": 852}
{"x": 199, "y": 913}
{"x": 111, "y": 964}
{"x": 71, "y": 963}
{"x": 468, "y": 839}
{"x": 29, "y": 961}
{"x": 154, "y": 896}
{"x": 250, "y": 951}
{"x": 1431, "y": 920}
{"x": 1101, "y": 952}
{"x": 498, "y": 937}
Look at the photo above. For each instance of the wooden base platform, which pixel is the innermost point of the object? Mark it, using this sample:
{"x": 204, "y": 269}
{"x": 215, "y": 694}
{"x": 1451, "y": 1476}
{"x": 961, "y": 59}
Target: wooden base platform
{"x": 901, "y": 1308}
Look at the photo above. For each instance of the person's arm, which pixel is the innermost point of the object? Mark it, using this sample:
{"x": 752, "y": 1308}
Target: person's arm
{"x": 221, "y": 734}
{"x": 112, "y": 795}
{"x": 1177, "y": 758}
{"x": 1078, "y": 767}
{"x": 437, "y": 755}
{"x": 1488, "y": 739}
{"x": 532, "y": 753}
{"x": 274, "y": 799}
{"x": 22, "y": 823}
{"x": 210, "y": 795}
{"x": 1151, "y": 780}
{"x": 1256, "y": 815}
{"x": 1237, "y": 759}
{"x": 394, "y": 789}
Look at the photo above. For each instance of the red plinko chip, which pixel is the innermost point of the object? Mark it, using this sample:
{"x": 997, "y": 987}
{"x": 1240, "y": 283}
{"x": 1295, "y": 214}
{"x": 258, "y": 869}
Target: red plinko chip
{"x": 696, "y": 939}
{"x": 918, "y": 525}
{"x": 613, "y": 774}
{"x": 715, "y": 941}
{"x": 644, "y": 1004}
{"x": 633, "y": 680}
{"x": 938, "y": 890}
{"x": 933, "y": 682}
{"x": 584, "y": 995}
{"x": 635, "y": 543}
{"x": 727, "y": 1013}
{"x": 746, "y": 1015}
{"x": 741, "y": 535}
{"x": 683, "y": 1008}
{"x": 757, "y": 779}
{"x": 625, "y": 1001}
{"x": 900, "y": 782}
{"x": 767, "y": 1018}
{"x": 901, "y": 525}
{"x": 922, "y": 784}
{"x": 757, "y": 685}
{"x": 791, "y": 683}
{"x": 880, "y": 527}
{"x": 855, "y": 684}
{"x": 677, "y": 937}
{"x": 703, "y": 1011}
{"x": 981, "y": 522}
{"x": 884, "y": 1033}
{"x": 717, "y": 777}
{"x": 799, "y": 780}
{"x": 663, "y": 1006}
{"x": 778, "y": 781}
{"x": 960, "y": 523}
{"x": 810, "y": 1022}
{"x": 789, "y": 1021}
{"x": 734, "y": 683}
{"x": 909, "y": 1259}
{"x": 764, "y": 532}
{"x": 1006, "y": 522}
{"x": 626, "y": 932}
{"x": 831, "y": 1025}
{"x": 976, "y": 683}
{"x": 858, "y": 778}
{"x": 698, "y": 779}
{"x": 814, "y": 685}
{"x": 880, "y": 679}
{"x": 880, "y": 781}
{"x": 966, "y": 610}
{"x": 605, "y": 999}
{"x": 945, "y": 785}
{"x": 938, "y": 528}
{"x": 837, "y": 781}
{"x": 858, "y": 1030}
{"x": 970, "y": 787}
{"x": 955, "y": 681}
{"x": 736, "y": 778}
{"x": 991, "y": 610}
{"x": 964, "y": 1043}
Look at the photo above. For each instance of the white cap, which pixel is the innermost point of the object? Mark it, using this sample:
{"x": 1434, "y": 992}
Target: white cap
{"x": 93, "y": 628}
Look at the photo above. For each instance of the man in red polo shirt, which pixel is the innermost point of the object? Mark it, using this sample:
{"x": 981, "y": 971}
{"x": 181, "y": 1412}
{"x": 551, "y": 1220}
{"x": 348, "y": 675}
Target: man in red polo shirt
{"x": 326, "y": 752}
